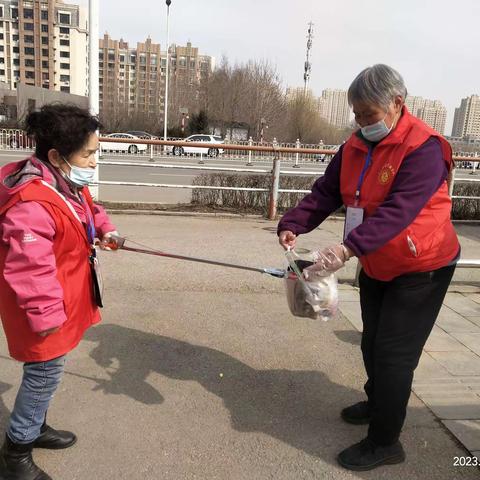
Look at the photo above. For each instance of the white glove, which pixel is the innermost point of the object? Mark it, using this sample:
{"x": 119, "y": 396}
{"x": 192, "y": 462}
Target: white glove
{"x": 109, "y": 241}
{"x": 330, "y": 259}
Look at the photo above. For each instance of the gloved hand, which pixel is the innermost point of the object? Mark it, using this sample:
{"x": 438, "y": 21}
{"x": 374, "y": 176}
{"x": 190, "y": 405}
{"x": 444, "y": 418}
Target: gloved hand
{"x": 330, "y": 259}
{"x": 287, "y": 239}
{"x": 109, "y": 241}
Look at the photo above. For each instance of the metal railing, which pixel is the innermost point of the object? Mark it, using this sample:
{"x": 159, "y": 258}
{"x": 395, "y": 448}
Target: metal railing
{"x": 19, "y": 141}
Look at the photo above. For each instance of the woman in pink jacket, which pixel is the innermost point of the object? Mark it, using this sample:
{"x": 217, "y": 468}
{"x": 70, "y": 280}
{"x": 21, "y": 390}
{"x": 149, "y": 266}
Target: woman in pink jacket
{"x": 49, "y": 291}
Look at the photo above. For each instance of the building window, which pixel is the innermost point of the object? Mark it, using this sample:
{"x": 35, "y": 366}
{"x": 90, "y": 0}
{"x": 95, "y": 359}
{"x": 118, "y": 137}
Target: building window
{"x": 2, "y": 72}
{"x": 44, "y": 14}
{"x": 29, "y": 51}
{"x": 44, "y": 40}
{"x": 29, "y": 62}
{"x": 2, "y": 48}
{"x": 44, "y": 28}
{"x": 64, "y": 30}
{"x": 16, "y": 62}
{"x": 28, "y": 26}
{"x": 14, "y": 13}
{"x": 16, "y": 49}
{"x": 15, "y": 38}
{"x": 65, "y": 66}
{"x": 65, "y": 54}
{"x": 65, "y": 43}
{"x": 30, "y": 75}
{"x": 1, "y": 11}
{"x": 64, "y": 78}
{"x": 45, "y": 52}
{"x": 45, "y": 76}
{"x": 65, "y": 89}
{"x": 122, "y": 58}
{"x": 2, "y": 60}
{"x": 64, "y": 18}
{"x": 1, "y": 36}
{"x": 28, "y": 38}
{"x": 28, "y": 13}
{"x": 44, "y": 64}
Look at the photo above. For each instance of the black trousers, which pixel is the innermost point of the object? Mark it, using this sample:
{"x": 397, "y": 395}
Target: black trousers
{"x": 398, "y": 317}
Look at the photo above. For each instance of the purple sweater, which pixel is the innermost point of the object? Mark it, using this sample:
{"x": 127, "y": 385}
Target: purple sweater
{"x": 420, "y": 175}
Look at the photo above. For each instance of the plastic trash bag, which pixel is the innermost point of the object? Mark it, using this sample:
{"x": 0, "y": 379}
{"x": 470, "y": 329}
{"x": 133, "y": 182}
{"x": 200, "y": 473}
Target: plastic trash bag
{"x": 315, "y": 298}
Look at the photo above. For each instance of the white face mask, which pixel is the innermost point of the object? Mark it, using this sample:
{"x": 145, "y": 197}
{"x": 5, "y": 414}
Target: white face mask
{"x": 377, "y": 131}
{"x": 80, "y": 176}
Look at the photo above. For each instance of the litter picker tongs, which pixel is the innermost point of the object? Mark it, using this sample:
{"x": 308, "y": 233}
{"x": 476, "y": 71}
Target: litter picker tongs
{"x": 119, "y": 243}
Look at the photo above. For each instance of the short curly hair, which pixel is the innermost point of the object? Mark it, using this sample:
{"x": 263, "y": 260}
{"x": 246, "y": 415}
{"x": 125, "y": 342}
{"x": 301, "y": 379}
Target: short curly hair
{"x": 63, "y": 127}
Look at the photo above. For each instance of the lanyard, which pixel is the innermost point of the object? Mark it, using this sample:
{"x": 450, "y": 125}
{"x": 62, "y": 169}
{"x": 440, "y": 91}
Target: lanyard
{"x": 90, "y": 226}
{"x": 368, "y": 161}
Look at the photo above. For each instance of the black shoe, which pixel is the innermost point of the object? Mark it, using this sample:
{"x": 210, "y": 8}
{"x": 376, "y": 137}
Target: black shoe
{"x": 358, "y": 414}
{"x": 16, "y": 462}
{"x": 366, "y": 455}
{"x": 54, "y": 439}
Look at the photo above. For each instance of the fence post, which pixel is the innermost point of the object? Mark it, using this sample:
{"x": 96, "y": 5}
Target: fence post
{"x": 451, "y": 181}
{"x": 272, "y": 207}
{"x": 100, "y": 152}
{"x": 151, "y": 152}
{"x": 297, "y": 155}
{"x": 475, "y": 156}
{"x": 250, "y": 144}
{"x": 201, "y": 162}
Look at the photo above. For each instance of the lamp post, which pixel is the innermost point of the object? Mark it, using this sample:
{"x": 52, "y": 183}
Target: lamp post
{"x": 165, "y": 118}
{"x": 93, "y": 75}
{"x": 262, "y": 127}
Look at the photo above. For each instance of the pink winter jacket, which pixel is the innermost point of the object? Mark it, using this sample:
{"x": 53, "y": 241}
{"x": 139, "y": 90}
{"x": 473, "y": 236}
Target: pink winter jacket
{"x": 28, "y": 230}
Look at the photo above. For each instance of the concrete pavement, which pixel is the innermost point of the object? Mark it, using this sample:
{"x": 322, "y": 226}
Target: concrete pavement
{"x": 201, "y": 372}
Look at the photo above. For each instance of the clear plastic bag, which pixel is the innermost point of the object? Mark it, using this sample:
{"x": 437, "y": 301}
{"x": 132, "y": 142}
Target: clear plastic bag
{"x": 315, "y": 298}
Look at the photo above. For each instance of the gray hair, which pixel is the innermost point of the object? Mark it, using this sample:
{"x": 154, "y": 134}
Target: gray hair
{"x": 377, "y": 85}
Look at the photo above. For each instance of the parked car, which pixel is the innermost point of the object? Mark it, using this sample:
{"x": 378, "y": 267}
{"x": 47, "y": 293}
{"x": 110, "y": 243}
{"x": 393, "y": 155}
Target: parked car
{"x": 144, "y": 135}
{"x": 130, "y": 147}
{"x": 210, "y": 151}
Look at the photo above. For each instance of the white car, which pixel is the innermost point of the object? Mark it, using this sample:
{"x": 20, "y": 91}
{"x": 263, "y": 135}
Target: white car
{"x": 210, "y": 151}
{"x": 130, "y": 147}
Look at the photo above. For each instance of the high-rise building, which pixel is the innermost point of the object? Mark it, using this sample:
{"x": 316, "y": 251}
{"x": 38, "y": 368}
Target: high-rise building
{"x": 333, "y": 107}
{"x": 43, "y": 43}
{"x": 432, "y": 112}
{"x": 132, "y": 80}
{"x": 466, "y": 122}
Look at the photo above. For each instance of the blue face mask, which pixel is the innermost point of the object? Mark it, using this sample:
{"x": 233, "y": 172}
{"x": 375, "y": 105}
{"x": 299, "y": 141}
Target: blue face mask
{"x": 80, "y": 176}
{"x": 377, "y": 131}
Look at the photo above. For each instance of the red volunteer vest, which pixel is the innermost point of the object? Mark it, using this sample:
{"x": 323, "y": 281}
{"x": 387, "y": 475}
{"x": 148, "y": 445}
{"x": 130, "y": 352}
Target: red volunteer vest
{"x": 71, "y": 250}
{"x": 430, "y": 241}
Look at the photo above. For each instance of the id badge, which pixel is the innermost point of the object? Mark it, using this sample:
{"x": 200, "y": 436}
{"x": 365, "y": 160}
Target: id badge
{"x": 353, "y": 218}
{"x": 97, "y": 281}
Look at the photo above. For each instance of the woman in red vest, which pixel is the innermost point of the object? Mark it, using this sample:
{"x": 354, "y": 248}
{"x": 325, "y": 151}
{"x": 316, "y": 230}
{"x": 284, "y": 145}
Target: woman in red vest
{"x": 391, "y": 175}
{"x": 49, "y": 293}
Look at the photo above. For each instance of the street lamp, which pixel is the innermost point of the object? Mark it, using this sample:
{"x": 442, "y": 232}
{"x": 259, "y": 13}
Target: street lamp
{"x": 262, "y": 128}
{"x": 93, "y": 67}
{"x": 165, "y": 118}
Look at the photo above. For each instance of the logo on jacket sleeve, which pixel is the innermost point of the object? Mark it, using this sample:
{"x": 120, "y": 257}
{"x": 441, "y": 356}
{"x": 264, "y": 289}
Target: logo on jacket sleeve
{"x": 386, "y": 174}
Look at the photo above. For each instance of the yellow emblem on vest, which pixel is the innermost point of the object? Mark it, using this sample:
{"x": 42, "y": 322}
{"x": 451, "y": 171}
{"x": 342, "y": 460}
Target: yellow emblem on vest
{"x": 386, "y": 174}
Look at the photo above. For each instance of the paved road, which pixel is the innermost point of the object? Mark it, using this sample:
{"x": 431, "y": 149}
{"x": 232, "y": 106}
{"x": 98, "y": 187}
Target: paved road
{"x": 202, "y": 373}
{"x": 172, "y": 176}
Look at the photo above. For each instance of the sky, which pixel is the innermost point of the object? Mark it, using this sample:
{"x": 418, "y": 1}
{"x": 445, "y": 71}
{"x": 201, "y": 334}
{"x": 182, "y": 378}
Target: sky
{"x": 433, "y": 44}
